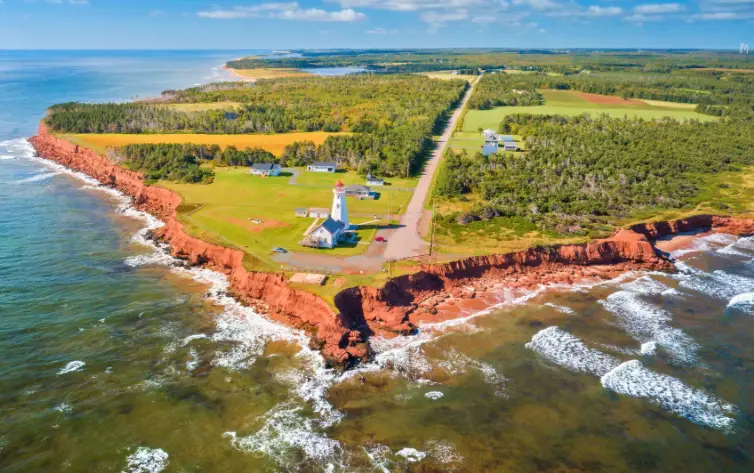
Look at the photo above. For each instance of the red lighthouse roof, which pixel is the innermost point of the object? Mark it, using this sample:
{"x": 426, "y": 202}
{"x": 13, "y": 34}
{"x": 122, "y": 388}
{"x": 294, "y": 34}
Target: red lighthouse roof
{"x": 339, "y": 184}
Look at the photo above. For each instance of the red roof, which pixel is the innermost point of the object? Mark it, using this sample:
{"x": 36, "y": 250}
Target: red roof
{"x": 339, "y": 184}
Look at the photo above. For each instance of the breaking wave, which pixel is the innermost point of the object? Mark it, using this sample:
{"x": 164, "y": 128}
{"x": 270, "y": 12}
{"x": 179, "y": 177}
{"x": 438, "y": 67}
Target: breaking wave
{"x": 646, "y": 323}
{"x": 717, "y": 284}
{"x": 72, "y": 367}
{"x": 564, "y": 349}
{"x": 633, "y": 379}
{"x": 39, "y": 177}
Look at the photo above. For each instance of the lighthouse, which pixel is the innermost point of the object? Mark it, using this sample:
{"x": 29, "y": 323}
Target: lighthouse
{"x": 339, "y": 210}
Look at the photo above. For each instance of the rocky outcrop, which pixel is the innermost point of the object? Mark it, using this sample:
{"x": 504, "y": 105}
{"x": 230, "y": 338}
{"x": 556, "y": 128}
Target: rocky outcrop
{"x": 696, "y": 224}
{"x": 269, "y": 292}
{"x": 395, "y": 308}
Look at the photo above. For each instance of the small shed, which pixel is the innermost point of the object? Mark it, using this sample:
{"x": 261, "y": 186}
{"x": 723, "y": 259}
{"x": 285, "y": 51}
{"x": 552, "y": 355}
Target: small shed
{"x": 320, "y": 166}
{"x": 319, "y": 212}
{"x": 374, "y": 181}
{"x": 302, "y": 212}
{"x": 265, "y": 169}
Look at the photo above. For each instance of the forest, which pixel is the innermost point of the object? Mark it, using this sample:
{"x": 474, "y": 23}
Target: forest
{"x": 559, "y": 61}
{"x": 716, "y": 93}
{"x": 183, "y": 162}
{"x": 579, "y": 172}
{"x": 392, "y": 118}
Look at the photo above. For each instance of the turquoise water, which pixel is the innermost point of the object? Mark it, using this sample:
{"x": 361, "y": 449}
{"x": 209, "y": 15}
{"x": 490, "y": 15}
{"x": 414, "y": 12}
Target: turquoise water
{"x": 113, "y": 358}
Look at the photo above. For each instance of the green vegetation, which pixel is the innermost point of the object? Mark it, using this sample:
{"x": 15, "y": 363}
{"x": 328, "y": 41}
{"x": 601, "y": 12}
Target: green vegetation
{"x": 257, "y": 214}
{"x": 620, "y": 168}
{"x": 392, "y": 117}
{"x": 182, "y": 162}
{"x": 554, "y": 61}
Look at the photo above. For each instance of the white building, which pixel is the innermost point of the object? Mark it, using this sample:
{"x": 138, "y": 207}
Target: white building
{"x": 322, "y": 167}
{"x": 326, "y": 235}
{"x": 374, "y": 181}
{"x": 339, "y": 210}
{"x": 265, "y": 169}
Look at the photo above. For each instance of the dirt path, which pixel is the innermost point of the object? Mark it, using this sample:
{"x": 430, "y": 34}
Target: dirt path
{"x": 406, "y": 241}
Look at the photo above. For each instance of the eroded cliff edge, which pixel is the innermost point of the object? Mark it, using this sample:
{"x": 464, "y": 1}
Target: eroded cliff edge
{"x": 343, "y": 335}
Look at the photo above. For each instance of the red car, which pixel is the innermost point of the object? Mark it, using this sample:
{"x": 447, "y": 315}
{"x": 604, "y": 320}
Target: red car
{"x": 380, "y": 240}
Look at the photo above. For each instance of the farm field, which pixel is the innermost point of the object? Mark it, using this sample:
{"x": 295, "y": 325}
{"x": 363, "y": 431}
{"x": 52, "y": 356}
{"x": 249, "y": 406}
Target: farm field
{"x": 269, "y": 73}
{"x": 223, "y": 211}
{"x": 448, "y": 75}
{"x": 275, "y": 144}
{"x": 565, "y": 102}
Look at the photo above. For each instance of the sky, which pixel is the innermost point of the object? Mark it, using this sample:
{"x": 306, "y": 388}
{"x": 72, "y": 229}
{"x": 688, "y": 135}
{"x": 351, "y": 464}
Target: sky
{"x": 239, "y": 24}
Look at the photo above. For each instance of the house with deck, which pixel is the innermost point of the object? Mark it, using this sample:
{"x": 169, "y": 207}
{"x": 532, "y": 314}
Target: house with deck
{"x": 265, "y": 169}
{"x": 327, "y": 235}
{"x": 320, "y": 166}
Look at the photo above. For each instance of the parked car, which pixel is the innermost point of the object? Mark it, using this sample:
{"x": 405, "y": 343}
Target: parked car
{"x": 279, "y": 250}
{"x": 380, "y": 239}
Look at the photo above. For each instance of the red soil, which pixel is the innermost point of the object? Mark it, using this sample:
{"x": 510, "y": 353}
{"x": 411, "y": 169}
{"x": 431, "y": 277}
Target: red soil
{"x": 437, "y": 292}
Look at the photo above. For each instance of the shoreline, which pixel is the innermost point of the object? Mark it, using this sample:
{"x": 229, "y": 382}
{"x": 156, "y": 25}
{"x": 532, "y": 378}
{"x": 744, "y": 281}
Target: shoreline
{"x": 238, "y": 75}
{"x": 436, "y": 294}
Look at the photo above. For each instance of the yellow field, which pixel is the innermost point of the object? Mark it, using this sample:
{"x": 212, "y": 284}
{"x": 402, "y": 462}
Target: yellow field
{"x": 662, "y": 103}
{"x": 200, "y": 107}
{"x": 447, "y": 75}
{"x": 268, "y": 73}
{"x": 275, "y": 144}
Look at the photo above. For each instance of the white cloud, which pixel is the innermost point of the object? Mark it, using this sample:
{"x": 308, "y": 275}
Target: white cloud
{"x": 484, "y": 19}
{"x": 602, "y": 11}
{"x": 412, "y": 5}
{"x": 659, "y": 8}
{"x": 283, "y": 11}
{"x": 539, "y": 5}
{"x": 437, "y": 20}
{"x": 721, "y": 16}
{"x": 381, "y": 31}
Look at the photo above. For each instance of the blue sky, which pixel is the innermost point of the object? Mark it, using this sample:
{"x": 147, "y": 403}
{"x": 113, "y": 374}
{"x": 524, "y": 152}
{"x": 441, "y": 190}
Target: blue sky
{"x": 239, "y": 24}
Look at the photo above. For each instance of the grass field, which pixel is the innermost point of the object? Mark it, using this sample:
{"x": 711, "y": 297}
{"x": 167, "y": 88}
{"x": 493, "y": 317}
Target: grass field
{"x": 268, "y": 73}
{"x": 273, "y": 143}
{"x": 564, "y": 102}
{"x": 221, "y": 212}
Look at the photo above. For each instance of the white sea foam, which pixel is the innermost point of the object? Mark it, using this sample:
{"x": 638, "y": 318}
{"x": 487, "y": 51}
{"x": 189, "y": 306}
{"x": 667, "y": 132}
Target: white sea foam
{"x": 147, "y": 460}
{"x": 743, "y": 301}
{"x": 648, "y": 348}
{"x": 647, "y": 322}
{"x": 568, "y": 351}
{"x": 455, "y": 363}
{"x": 443, "y": 452}
{"x": 191, "y": 338}
{"x": 39, "y": 177}
{"x": 560, "y": 308}
{"x": 193, "y": 363}
{"x": 434, "y": 395}
{"x": 379, "y": 456}
{"x": 71, "y": 367}
{"x": 633, "y": 379}
{"x": 284, "y": 431}
{"x": 64, "y": 407}
{"x": 706, "y": 243}
{"x": 412, "y": 455}
{"x": 717, "y": 284}
{"x": 645, "y": 285}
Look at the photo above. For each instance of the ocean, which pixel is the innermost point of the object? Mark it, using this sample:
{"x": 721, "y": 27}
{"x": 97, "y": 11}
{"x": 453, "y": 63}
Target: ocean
{"x": 115, "y": 358}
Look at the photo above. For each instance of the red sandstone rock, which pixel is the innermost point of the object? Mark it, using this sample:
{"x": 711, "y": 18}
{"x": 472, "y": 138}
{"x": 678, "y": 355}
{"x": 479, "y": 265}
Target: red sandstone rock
{"x": 424, "y": 296}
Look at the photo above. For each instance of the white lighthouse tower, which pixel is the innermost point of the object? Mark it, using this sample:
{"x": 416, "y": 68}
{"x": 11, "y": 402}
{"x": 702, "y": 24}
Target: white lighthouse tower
{"x": 339, "y": 209}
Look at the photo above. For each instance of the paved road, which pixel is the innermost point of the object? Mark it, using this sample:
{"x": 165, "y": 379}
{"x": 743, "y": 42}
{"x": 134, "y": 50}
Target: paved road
{"x": 406, "y": 241}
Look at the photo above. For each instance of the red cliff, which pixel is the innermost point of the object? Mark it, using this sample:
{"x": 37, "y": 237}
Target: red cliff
{"x": 404, "y": 300}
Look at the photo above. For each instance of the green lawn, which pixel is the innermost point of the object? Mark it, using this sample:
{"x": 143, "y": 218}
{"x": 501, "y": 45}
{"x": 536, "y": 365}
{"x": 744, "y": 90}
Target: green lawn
{"x": 223, "y": 211}
{"x": 568, "y": 103}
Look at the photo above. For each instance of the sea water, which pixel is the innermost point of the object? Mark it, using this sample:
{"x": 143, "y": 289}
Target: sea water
{"x": 114, "y": 357}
